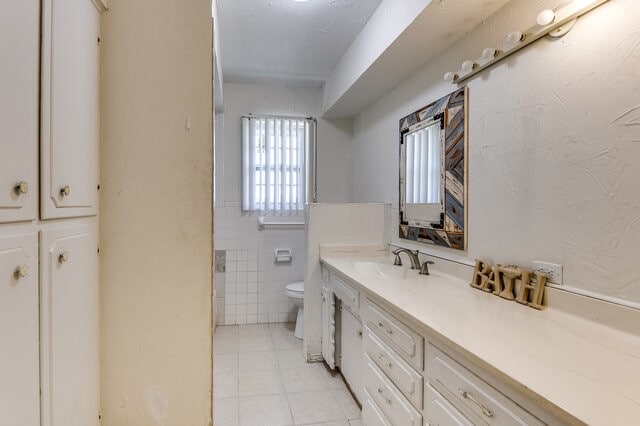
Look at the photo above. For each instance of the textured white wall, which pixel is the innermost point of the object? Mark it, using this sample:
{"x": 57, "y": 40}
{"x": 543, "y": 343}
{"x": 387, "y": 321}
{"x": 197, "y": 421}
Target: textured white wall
{"x": 554, "y": 135}
{"x": 156, "y": 213}
{"x": 251, "y": 291}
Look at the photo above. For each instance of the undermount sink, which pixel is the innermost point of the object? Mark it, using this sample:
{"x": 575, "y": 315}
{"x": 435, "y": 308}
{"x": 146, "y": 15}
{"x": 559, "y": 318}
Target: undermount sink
{"x": 384, "y": 270}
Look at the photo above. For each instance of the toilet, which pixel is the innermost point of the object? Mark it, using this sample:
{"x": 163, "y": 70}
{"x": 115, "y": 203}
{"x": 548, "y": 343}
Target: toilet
{"x": 295, "y": 292}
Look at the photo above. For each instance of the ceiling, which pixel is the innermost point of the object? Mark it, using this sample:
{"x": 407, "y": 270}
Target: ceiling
{"x": 287, "y": 41}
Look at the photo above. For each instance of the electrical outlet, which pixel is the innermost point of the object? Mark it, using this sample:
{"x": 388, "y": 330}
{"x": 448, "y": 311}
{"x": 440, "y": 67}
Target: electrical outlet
{"x": 553, "y": 271}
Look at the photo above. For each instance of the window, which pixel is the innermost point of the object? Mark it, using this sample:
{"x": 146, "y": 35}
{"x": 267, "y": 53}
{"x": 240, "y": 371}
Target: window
{"x": 278, "y": 163}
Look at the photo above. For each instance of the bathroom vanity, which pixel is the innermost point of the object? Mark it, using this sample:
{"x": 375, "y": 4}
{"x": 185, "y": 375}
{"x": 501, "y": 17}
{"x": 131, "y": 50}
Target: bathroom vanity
{"x": 430, "y": 350}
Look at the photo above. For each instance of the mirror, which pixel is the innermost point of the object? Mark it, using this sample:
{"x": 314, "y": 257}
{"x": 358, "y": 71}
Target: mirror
{"x": 432, "y": 173}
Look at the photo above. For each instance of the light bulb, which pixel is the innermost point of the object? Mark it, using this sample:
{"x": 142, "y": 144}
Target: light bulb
{"x": 489, "y": 53}
{"x": 469, "y": 65}
{"x": 515, "y": 37}
{"x": 450, "y": 77}
{"x": 546, "y": 17}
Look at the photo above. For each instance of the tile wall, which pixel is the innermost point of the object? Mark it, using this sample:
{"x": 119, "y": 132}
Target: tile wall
{"x": 250, "y": 286}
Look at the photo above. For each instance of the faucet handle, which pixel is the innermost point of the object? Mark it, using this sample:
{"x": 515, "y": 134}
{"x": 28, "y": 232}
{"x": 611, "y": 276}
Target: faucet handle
{"x": 424, "y": 270}
{"x": 397, "y": 261}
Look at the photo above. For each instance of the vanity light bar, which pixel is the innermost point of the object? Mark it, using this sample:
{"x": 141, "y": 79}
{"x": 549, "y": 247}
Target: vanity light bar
{"x": 555, "y": 23}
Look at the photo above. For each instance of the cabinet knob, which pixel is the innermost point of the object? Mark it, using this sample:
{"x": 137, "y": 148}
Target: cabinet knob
{"x": 21, "y": 188}
{"x": 64, "y": 256}
{"x": 65, "y": 191}
{"x": 21, "y": 271}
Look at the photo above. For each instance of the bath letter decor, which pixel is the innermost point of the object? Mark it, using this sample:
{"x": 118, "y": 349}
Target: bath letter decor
{"x": 510, "y": 283}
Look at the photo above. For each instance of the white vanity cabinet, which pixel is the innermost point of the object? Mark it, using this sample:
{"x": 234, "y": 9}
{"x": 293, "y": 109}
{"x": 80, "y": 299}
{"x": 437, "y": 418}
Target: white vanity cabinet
{"x": 19, "y": 378}
{"x": 470, "y": 394}
{"x": 351, "y": 353}
{"x": 69, "y": 315}
{"x": 69, "y": 108}
{"x": 328, "y": 325}
{"x": 393, "y": 375}
{"x": 342, "y": 330}
{"x": 19, "y": 104}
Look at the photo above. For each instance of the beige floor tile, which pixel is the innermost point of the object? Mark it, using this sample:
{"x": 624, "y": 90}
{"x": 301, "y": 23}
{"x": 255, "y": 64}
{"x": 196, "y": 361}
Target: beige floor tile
{"x": 225, "y": 412}
{"x": 348, "y": 404}
{"x": 260, "y": 383}
{"x": 357, "y": 422}
{"x": 226, "y": 339}
{"x": 255, "y": 343}
{"x": 226, "y": 330}
{"x": 301, "y": 379}
{"x": 253, "y": 330}
{"x": 282, "y": 329}
{"x": 327, "y": 424}
{"x": 287, "y": 343}
{"x": 225, "y": 384}
{"x": 292, "y": 358}
{"x": 315, "y": 407}
{"x": 265, "y": 410}
{"x": 334, "y": 378}
{"x": 258, "y": 361}
{"x": 225, "y": 362}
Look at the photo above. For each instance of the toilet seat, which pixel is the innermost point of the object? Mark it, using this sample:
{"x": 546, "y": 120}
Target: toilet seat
{"x": 296, "y": 290}
{"x": 296, "y": 287}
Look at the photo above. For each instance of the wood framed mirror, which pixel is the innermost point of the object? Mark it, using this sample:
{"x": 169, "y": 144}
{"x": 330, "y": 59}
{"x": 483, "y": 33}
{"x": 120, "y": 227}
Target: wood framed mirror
{"x": 433, "y": 170}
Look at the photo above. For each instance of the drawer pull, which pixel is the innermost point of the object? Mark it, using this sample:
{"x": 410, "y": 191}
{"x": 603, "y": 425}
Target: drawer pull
{"x": 381, "y": 325}
{"x": 387, "y": 400}
{"x": 63, "y": 257}
{"x": 21, "y": 188}
{"x": 21, "y": 272}
{"x": 467, "y": 395}
{"x": 359, "y": 333}
{"x": 65, "y": 191}
{"x": 384, "y": 359}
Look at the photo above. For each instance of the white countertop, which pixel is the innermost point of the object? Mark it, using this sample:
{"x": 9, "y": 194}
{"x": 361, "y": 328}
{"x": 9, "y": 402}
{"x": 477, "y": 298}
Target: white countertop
{"x": 585, "y": 369}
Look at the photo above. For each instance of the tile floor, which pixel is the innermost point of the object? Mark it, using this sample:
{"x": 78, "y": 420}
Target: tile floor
{"x": 261, "y": 378}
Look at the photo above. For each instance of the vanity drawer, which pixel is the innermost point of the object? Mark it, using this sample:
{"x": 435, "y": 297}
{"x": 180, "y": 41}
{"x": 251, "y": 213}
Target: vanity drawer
{"x": 406, "y": 342}
{"x": 392, "y": 403}
{"x": 467, "y": 389}
{"x": 398, "y": 370}
{"x": 440, "y": 412}
{"x": 345, "y": 292}
{"x": 372, "y": 414}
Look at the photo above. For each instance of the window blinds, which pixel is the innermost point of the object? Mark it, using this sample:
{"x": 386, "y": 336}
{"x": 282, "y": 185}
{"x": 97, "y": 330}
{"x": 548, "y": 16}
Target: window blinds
{"x": 423, "y": 166}
{"x": 278, "y": 163}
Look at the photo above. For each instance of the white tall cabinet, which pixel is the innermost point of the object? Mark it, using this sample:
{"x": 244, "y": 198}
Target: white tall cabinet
{"x": 19, "y": 76}
{"x": 69, "y": 311}
{"x": 19, "y": 387}
{"x": 49, "y": 145}
{"x": 70, "y": 108}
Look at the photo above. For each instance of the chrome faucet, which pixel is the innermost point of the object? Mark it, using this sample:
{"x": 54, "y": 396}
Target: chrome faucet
{"x": 424, "y": 269}
{"x": 415, "y": 260}
{"x": 413, "y": 257}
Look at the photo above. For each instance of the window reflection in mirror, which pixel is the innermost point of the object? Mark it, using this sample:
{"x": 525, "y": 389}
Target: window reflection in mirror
{"x": 424, "y": 173}
{"x": 423, "y": 167}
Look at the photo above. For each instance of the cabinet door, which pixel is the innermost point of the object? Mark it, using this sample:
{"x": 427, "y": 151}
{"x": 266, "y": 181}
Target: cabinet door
{"x": 69, "y": 323}
{"x": 19, "y": 47}
{"x": 19, "y": 374}
{"x": 328, "y": 325}
{"x": 70, "y": 126}
{"x": 351, "y": 351}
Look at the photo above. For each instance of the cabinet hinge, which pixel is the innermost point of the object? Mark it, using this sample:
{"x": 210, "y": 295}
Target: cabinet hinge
{"x": 99, "y": 41}
{"x": 100, "y": 417}
{"x": 98, "y": 250}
